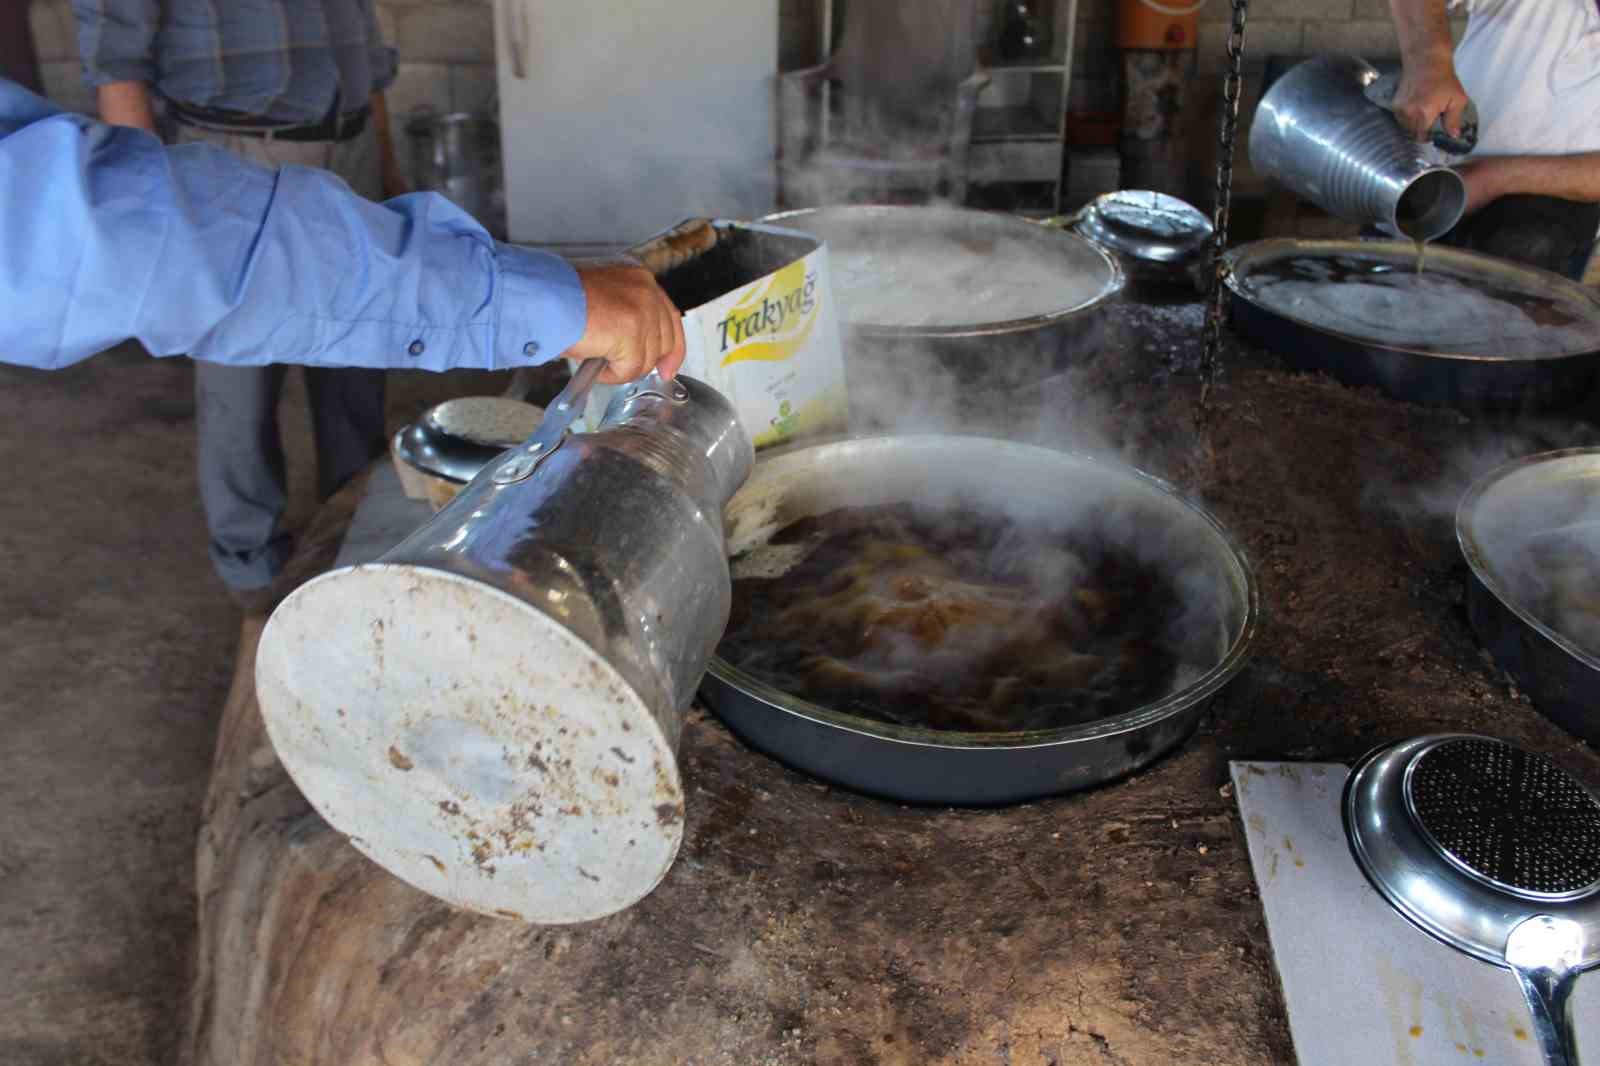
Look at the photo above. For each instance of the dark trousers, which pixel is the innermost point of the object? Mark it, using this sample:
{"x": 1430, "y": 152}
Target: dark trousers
{"x": 1541, "y": 231}
{"x": 242, "y": 482}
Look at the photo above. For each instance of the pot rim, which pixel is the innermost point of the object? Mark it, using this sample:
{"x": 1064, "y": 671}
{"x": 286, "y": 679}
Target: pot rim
{"x": 1116, "y": 279}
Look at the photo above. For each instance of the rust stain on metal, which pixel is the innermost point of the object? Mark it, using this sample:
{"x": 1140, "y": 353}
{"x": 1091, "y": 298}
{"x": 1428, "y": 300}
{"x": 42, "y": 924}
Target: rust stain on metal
{"x": 502, "y": 912}
{"x": 398, "y": 760}
{"x": 668, "y": 813}
{"x": 436, "y": 863}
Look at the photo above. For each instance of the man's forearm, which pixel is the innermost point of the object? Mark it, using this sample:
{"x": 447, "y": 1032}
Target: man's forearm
{"x": 1566, "y": 177}
{"x": 127, "y": 103}
{"x": 1423, "y": 28}
{"x": 394, "y": 183}
{"x": 106, "y": 235}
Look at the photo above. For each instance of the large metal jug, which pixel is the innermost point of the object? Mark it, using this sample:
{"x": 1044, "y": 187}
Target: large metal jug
{"x": 1316, "y": 131}
{"x": 491, "y": 710}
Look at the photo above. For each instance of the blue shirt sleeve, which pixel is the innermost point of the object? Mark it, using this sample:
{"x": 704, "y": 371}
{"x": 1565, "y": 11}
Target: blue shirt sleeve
{"x": 106, "y": 235}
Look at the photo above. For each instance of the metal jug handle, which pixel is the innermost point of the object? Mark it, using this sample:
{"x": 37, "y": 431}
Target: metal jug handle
{"x": 558, "y": 418}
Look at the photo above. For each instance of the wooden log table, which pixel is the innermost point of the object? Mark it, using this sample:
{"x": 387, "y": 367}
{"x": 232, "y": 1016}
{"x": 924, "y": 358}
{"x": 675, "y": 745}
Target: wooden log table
{"x": 806, "y": 924}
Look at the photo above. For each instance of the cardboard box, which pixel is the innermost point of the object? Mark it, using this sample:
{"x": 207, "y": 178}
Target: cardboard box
{"x": 761, "y": 328}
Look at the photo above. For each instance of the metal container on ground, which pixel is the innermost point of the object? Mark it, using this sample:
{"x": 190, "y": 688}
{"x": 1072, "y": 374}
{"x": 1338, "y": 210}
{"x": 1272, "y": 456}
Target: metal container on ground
{"x": 491, "y": 711}
{"x": 929, "y": 766}
{"x": 928, "y": 330}
{"x": 1158, "y": 239}
{"x": 458, "y": 154}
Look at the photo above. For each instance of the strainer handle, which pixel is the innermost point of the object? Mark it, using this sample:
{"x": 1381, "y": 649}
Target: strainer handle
{"x": 1549, "y": 995}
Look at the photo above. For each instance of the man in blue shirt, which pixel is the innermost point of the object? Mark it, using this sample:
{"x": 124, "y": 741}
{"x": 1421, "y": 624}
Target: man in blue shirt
{"x": 106, "y": 235}
{"x": 276, "y": 82}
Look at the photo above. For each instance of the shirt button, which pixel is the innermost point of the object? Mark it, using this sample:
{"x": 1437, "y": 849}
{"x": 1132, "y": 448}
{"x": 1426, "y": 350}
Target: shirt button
{"x": 416, "y": 347}
{"x": 530, "y": 349}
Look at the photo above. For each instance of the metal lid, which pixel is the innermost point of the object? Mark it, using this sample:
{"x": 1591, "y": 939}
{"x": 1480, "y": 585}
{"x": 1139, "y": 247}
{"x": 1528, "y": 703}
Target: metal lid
{"x": 1147, "y": 226}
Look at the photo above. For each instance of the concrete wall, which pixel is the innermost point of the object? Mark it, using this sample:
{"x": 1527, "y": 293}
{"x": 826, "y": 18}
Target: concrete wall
{"x": 447, "y": 55}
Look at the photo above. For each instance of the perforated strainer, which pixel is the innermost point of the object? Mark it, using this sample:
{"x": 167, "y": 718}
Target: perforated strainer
{"x": 1493, "y": 850}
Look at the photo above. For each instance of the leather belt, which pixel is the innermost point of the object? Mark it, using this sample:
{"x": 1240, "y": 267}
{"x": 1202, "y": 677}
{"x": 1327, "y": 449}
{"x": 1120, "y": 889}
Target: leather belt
{"x": 335, "y": 127}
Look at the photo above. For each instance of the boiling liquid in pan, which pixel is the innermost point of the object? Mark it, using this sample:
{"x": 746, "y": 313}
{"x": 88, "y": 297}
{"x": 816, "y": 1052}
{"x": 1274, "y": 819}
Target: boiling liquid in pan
{"x": 951, "y": 620}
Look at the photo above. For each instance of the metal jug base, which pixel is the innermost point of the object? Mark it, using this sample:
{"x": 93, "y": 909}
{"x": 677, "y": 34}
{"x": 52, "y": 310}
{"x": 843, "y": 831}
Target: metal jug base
{"x": 480, "y": 750}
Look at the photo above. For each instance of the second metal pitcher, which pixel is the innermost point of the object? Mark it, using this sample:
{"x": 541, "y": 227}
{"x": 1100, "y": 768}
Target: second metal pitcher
{"x": 1316, "y": 132}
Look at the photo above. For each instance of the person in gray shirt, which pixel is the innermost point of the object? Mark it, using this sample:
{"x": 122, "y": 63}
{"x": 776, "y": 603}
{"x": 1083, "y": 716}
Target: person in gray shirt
{"x": 286, "y": 82}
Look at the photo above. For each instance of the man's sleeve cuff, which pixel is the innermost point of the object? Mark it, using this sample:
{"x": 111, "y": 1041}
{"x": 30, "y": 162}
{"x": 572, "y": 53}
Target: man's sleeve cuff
{"x": 541, "y": 309}
{"x": 106, "y": 71}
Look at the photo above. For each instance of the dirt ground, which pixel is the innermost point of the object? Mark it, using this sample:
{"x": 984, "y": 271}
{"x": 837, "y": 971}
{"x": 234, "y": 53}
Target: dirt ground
{"x": 116, "y": 649}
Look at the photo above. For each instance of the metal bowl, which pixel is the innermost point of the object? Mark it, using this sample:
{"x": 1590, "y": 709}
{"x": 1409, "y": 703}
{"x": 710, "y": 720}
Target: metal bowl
{"x": 931, "y": 766}
{"x": 1156, "y": 237}
{"x": 980, "y": 353}
{"x": 1553, "y": 493}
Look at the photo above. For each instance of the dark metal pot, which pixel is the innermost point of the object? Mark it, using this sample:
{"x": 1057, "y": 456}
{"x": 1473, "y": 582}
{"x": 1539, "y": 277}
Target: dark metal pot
{"x": 1470, "y": 373}
{"x": 931, "y": 766}
{"x": 1550, "y": 494}
{"x": 897, "y": 369}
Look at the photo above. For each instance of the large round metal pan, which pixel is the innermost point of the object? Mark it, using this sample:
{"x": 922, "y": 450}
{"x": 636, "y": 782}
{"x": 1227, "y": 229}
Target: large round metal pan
{"x": 1554, "y": 495}
{"x": 927, "y": 766}
{"x": 1454, "y": 359}
{"x": 971, "y": 345}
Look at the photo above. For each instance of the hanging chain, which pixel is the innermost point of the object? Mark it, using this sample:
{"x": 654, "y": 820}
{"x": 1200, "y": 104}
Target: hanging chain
{"x": 1215, "y": 311}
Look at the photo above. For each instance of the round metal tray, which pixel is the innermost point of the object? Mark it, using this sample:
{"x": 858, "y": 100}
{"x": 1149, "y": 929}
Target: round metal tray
{"x": 929, "y": 766}
{"x": 1421, "y": 347}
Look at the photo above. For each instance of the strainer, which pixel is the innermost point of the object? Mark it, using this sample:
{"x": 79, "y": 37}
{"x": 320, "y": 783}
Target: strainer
{"x": 1493, "y": 850}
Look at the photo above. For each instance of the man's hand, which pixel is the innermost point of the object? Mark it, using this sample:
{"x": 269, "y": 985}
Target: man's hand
{"x": 1428, "y": 89}
{"x": 632, "y": 324}
{"x": 126, "y": 103}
